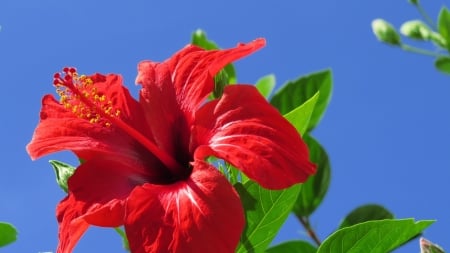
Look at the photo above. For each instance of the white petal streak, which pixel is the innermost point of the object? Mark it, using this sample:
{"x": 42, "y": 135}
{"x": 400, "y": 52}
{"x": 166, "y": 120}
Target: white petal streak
{"x": 188, "y": 193}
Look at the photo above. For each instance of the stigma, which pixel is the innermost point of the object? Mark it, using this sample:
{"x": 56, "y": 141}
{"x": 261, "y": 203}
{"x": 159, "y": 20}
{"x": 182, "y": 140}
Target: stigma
{"x": 80, "y": 95}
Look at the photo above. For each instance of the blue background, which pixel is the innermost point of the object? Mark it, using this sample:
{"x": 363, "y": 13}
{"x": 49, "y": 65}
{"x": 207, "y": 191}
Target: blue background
{"x": 386, "y": 129}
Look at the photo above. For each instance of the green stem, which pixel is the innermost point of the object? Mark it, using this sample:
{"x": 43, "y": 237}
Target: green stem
{"x": 425, "y": 16}
{"x": 419, "y": 51}
{"x": 311, "y": 233}
{"x": 124, "y": 238}
{"x": 120, "y": 231}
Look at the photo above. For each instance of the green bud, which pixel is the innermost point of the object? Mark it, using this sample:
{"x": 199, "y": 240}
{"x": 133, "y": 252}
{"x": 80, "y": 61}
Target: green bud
{"x": 438, "y": 40}
{"x": 416, "y": 29}
{"x": 414, "y": 2}
{"x": 385, "y": 32}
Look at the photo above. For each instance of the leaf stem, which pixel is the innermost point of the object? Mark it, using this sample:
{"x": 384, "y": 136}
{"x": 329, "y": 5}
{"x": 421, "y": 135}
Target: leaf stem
{"x": 124, "y": 238}
{"x": 416, "y": 50}
{"x": 311, "y": 233}
{"x": 425, "y": 16}
{"x": 120, "y": 231}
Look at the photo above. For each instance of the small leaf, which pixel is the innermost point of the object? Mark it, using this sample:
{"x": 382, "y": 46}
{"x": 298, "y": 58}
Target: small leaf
{"x": 220, "y": 81}
{"x": 265, "y": 211}
{"x": 444, "y": 24}
{"x": 293, "y": 247}
{"x": 8, "y": 234}
{"x": 366, "y": 213}
{"x": 199, "y": 38}
{"x": 373, "y": 236}
{"x": 63, "y": 172}
{"x": 414, "y": 2}
{"x": 265, "y": 85}
{"x": 443, "y": 64}
{"x": 315, "y": 188}
{"x": 301, "y": 116}
{"x": 295, "y": 93}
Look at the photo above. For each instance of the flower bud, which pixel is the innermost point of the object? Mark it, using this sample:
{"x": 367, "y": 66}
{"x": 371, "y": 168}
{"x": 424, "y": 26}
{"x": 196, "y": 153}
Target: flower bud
{"x": 385, "y": 32}
{"x": 438, "y": 40}
{"x": 414, "y": 2}
{"x": 416, "y": 29}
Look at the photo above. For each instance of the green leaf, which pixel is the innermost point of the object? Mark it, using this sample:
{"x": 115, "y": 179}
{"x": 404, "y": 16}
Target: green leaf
{"x": 373, "y": 236}
{"x": 444, "y": 24}
{"x": 300, "y": 117}
{"x": 293, "y": 247}
{"x": 63, "y": 172}
{"x": 265, "y": 85}
{"x": 265, "y": 211}
{"x": 295, "y": 93}
{"x": 200, "y": 39}
{"x": 443, "y": 64}
{"x": 315, "y": 188}
{"x": 220, "y": 81}
{"x": 8, "y": 234}
{"x": 414, "y": 2}
{"x": 366, "y": 213}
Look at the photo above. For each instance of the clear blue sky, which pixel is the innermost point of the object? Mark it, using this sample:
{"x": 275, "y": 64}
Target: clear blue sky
{"x": 386, "y": 130}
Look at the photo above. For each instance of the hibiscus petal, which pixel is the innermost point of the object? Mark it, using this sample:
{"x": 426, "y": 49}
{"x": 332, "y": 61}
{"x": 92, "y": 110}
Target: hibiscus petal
{"x": 191, "y": 71}
{"x": 173, "y": 90}
{"x": 245, "y": 130}
{"x": 71, "y": 227}
{"x": 97, "y": 193}
{"x": 201, "y": 214}
{"x": 192, "y": 74}
{"x": 74, "y": 218}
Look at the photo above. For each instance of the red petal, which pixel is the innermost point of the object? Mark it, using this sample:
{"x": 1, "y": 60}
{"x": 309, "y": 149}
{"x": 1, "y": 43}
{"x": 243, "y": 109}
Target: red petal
{"x": 74, "y": 220}
{"x": 97, "y": 194}
{"x": 173, "y": 90}
{"x": 192, "y": 73}
{"x": 201, "y": 214}
{"x": 71, "y": 227}
{"x": 60, "y": 129}
{"x": 245, "y": 130}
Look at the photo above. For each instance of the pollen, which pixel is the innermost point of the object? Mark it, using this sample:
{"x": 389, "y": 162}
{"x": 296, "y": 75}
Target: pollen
{"x": 79, "y": 95}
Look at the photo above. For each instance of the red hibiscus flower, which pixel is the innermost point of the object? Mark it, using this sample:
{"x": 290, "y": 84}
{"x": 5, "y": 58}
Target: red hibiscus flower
{"x": 144, "y": 161}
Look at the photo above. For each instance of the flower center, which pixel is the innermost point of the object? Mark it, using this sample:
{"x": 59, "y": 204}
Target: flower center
{"x": 79, "y": 94}
{"x": 72, "y": 87}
